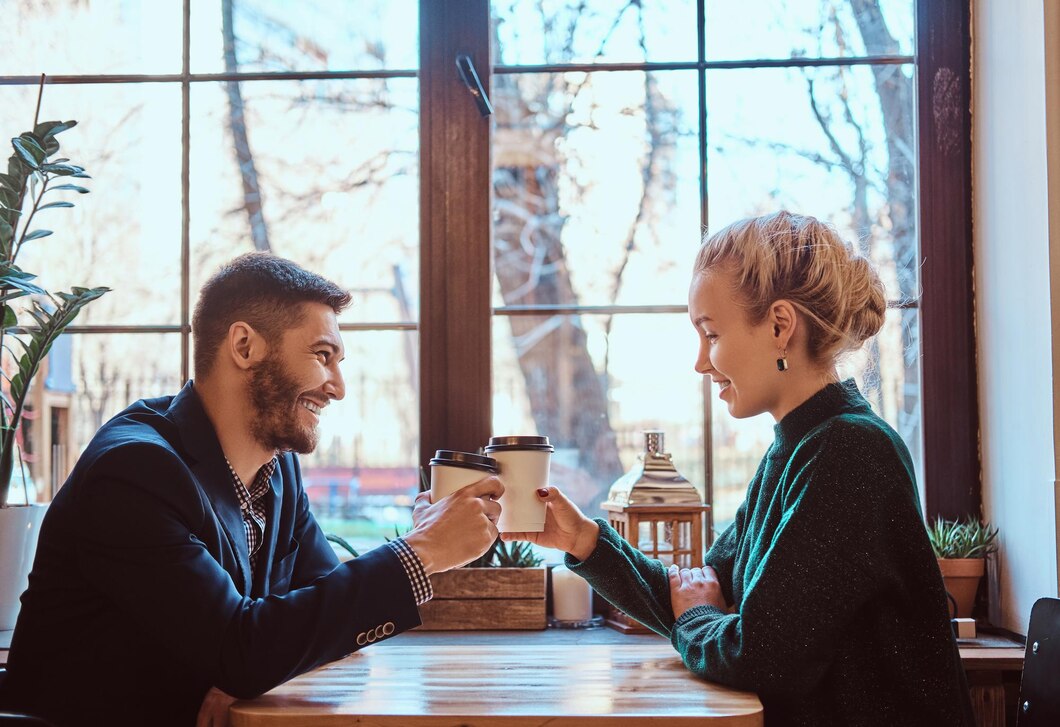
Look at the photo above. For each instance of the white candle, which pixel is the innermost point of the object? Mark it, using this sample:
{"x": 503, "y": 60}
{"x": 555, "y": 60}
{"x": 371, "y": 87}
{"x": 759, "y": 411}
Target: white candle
{"x": 572, "y": 598}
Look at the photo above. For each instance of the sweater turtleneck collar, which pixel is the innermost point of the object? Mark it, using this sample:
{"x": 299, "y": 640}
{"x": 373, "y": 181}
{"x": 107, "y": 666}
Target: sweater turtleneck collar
{"x": 832, "y": 400}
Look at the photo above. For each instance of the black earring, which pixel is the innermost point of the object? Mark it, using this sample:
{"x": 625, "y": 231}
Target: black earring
{"x": 782, "y": 362}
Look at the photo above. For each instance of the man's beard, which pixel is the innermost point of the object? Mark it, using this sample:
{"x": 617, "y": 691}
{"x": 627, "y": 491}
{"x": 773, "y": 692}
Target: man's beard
{"x": 274, "y": 396}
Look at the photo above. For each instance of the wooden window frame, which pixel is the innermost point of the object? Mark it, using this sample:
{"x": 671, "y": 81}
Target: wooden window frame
{"x": 456, "y": 273}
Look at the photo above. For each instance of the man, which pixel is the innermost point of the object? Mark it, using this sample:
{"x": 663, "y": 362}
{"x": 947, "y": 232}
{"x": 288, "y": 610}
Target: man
{"x": 181, "y": 558}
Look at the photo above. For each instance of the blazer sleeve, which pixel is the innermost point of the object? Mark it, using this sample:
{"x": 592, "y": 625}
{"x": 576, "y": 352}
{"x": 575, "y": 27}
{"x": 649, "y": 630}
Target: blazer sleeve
{"x": 141, "y": 510}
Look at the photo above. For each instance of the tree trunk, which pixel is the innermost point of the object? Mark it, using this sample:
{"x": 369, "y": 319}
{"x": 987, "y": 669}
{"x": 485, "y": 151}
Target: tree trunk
{"x": 568, "y": 398}
{"x": 237, "y": 124}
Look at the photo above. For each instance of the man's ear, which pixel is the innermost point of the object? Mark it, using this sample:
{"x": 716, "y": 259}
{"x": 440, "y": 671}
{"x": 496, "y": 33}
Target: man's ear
{"x": 784, "y": 322}
{"x": 245, "y": 346}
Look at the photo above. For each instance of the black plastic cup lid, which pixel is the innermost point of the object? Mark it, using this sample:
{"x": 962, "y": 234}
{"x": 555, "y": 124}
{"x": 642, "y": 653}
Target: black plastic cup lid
{"x": 467, "y": 460}
{"x": 501, "y": 444}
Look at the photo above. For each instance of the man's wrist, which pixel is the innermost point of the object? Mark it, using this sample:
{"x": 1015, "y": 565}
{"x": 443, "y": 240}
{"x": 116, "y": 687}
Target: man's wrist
{"x": 585, "y": 540}
{"x": 419, "y": 545}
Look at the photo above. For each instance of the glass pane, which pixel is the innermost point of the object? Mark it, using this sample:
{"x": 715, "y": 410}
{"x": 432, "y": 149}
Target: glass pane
{"x": 363, "y": 477}
{"x": 329, "y": 178}
{"x": 311, "y": 35}
{"x": 125, "y": 234}
{"x": 61, "y": 37}
{"x": 835, "y": 143}
{"x": 603, "y": 31}
{"x": 752, "y": 29}
{"x": 596, "y": 187}
{"x": 592, "y": 384}
{"x": 886, "y": 370}
{"x": 85, "y": 380}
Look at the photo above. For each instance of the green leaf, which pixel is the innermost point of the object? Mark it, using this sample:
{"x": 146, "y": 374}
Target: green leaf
{"x": 71, "y": 187}
{"x": 37, "y": 234}
{"x": 30, "y": 151}
{"x": 10, "y": 319}
{"x": 55, "y": 204}
{"x": 50, "y": 128}
{"x": 63, "y": 170}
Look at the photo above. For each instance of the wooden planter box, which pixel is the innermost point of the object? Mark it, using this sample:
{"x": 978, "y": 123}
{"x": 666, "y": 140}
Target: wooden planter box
{"x": 476, "y": 599}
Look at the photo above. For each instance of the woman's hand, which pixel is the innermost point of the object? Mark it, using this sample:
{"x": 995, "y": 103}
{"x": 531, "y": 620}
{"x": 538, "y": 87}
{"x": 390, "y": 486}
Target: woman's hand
{"x": 694, "y": 587}
{"x": 566, "y": 528}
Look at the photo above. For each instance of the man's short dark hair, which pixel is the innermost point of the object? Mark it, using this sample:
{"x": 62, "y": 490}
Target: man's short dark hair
{"x": 262, "y": 290}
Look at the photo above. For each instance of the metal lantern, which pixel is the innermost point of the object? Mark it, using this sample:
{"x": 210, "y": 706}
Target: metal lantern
{"x": 659, "y": 512}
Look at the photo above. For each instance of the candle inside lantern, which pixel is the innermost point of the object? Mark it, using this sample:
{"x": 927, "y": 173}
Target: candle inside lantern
{"x": 572, "y": 598}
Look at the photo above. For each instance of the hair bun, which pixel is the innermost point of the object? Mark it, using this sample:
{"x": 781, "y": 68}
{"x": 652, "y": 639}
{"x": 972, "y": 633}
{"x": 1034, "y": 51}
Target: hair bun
{"x": 803, "y": 260}
{"x": 867, "y": 300}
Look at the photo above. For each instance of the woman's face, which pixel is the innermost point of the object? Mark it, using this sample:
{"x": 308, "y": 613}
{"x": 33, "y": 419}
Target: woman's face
{"x": 739, "y": 357}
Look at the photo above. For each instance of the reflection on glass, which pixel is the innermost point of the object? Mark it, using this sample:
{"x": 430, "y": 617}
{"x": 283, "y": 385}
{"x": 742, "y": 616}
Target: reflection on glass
{"x": 752, "y": 29}
{"x": 125, "y": 234}
{"x": 63, "y": 37}
{"x": 363, "y": 477}
{"x": 329, "y": 179}
{"x": 596, "y": 187}
{"x": 842, "y": 149}
{"x": 603, "y": 31}
{"x": 592, "y": 384}
{"x": 312, "y": 35}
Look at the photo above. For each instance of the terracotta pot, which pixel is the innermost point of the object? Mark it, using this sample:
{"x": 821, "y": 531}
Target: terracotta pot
{"x": 19, "y": 526}
{"x": 961, "y": 577}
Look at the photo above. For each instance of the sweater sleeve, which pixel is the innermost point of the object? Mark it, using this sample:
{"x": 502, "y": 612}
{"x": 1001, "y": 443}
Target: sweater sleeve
{"x": 825, "y": 561}
{"x": 628, "y": 579}
{"x": 722, "y": 553}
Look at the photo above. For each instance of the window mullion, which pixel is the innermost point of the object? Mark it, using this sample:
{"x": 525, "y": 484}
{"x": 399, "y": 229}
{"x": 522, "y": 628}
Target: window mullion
{"x": 455, "y": 223}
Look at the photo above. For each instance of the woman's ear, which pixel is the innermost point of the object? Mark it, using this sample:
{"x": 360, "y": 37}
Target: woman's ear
{"x": 245, "y": 346}
{"x": 784, "y": 322}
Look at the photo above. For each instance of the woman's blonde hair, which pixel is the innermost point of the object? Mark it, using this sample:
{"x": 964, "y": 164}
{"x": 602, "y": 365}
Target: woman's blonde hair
{"x": 784, "y": 256}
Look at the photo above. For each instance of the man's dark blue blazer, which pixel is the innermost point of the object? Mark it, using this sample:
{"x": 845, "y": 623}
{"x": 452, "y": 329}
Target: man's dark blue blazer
{"x": 140, "y": 598}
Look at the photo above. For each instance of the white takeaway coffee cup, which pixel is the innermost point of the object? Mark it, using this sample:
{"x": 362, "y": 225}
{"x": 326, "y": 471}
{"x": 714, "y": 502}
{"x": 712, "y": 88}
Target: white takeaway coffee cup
{"x": 523, "y": 462}
{"x": 451, "y": 471}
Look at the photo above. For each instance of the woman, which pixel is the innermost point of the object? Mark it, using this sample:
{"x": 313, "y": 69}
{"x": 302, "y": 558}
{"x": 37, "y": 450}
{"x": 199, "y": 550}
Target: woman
{"x": 823, "y": 597}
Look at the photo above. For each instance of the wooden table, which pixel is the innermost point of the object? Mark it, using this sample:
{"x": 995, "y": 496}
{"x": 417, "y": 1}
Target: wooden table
{"x": 417, "y": 682}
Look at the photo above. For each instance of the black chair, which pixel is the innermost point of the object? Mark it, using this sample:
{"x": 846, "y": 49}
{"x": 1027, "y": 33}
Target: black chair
{"x": 12, "y": 719}
{"x": 1039, "y": 704}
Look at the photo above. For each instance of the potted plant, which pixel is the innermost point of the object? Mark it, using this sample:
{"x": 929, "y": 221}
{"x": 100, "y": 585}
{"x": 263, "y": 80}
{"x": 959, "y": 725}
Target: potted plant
{"x": 961, "y": 549}
{"x": 34, "y": 174}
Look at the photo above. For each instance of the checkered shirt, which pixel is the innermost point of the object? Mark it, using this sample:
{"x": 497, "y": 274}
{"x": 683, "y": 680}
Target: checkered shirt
{"x": 421, "y": 584}
{"x": 252, "y": 507}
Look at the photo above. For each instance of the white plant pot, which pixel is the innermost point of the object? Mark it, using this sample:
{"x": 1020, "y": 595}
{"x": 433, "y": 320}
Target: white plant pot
{"x": 19, "y": 527}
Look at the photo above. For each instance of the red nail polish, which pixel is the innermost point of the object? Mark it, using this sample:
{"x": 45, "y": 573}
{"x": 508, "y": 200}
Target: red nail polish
{"x": 542, "y": 491}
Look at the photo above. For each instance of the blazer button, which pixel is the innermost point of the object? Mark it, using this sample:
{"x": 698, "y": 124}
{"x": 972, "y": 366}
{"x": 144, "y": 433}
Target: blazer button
{"x": 361, "y": 639}
{"x": 370, "y": 636}
{"x": 388, "y": 628}
{"x": 379, "y": 632}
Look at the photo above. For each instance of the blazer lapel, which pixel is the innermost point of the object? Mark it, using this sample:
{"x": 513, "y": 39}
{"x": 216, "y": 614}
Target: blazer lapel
{"x": 212, "y": 473}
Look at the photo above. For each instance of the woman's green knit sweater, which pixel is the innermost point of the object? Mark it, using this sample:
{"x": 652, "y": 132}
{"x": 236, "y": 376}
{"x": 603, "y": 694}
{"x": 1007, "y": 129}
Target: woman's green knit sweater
{"x": 840, "y": 612}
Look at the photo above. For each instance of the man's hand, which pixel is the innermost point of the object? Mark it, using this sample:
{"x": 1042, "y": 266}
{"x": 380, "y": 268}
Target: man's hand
{"x": 694, "y": 587}
{"x": 458, "y": 528}
{"x": 419, "y": 510}
{"x": 566, "y": 528}
{"x": 214, "y": 709}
